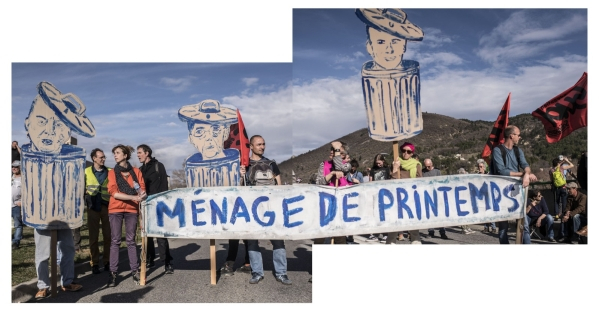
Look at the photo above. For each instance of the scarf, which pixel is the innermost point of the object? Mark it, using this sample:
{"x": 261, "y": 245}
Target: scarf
{"x": 409, "y": 165}
{"x": 121, "y": 183}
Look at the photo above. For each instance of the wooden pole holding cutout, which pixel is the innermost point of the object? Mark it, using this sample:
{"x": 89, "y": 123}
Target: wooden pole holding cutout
{"x": 142, "y": 275}
{"x": 53, "y": 262}
{"x": 336, "y": 186}
{"x": 520, "y": 222}
{"x": 213, "y": 261}
{"x": 395, "y": 150}
{"x": 519, "y": 230}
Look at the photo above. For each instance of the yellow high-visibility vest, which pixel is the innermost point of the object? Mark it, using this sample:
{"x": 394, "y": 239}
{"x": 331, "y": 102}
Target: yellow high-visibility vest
{"x": 92, "y": 186}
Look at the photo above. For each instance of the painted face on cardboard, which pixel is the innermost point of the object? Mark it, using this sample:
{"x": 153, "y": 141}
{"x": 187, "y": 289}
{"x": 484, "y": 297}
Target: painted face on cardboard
{"x": 46, "y": 131}
{"x": 386, "y": 50}
{"x": 209, "y": 139}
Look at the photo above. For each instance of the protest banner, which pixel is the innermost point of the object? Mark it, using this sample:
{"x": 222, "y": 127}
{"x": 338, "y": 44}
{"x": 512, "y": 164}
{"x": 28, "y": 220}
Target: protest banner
{"x": 311, "y": 211}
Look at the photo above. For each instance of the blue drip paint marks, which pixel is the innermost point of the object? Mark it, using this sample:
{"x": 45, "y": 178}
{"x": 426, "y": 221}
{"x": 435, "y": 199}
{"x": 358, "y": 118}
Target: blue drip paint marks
{"x": 385, "y": 193}
{"x": 459, "y": 202}
{"x": 217, "y": 211}
{"x": 402, "y": 200}
{"x": 431, "y": 203}
{"x": 287, "y": 213}
{"x": 179, "y": 211}
{"x": 327, "y": 214}
{"x": 195, "y": 211}
{"x": 480, "y": 194}
{"x": 240, "y": 205}
{"x": 268, "y": 214}
{"x": 347, "y": 207}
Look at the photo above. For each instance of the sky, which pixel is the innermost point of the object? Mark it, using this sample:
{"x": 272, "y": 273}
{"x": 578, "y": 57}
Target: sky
{"x": 470, "y": 60}
{"x": 138, "y": 103}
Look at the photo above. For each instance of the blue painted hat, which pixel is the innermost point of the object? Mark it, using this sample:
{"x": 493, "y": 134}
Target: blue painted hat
{"x": 68, "y": 107}
{"x": 392, "y": 21}
{"x": 208, "y": 111}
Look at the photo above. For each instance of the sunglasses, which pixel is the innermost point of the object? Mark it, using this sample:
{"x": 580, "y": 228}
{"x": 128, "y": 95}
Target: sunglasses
{"x": 408, "y": 151}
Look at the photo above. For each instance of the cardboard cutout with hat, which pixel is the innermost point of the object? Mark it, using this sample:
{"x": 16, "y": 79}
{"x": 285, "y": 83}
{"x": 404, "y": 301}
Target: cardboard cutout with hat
{"x": 209, "y": 124}
{"x": 53, "y": 183}
{"x": 391, "y": 85}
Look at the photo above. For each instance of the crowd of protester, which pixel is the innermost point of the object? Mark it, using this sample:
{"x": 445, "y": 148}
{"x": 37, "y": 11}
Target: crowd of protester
{"x": 113, "y": 196}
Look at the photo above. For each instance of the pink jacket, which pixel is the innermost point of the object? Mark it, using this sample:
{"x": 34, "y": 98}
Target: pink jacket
{"x": 327, "y": 169}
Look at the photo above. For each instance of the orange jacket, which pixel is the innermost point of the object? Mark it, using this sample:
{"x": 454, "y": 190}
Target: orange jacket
{"x": 119, "y": 206}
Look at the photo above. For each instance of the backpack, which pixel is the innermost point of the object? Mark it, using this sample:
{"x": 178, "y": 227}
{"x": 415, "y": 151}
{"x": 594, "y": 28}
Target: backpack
{"x": 492, "y": 168}
{"x": 558, "y": 178}
{"x": 261, "y": 174}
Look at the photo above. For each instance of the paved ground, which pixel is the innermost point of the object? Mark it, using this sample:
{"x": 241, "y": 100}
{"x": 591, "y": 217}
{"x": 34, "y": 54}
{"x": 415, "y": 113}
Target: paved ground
{"x": 455, "y": 236}
{"x": 191, "y": 280}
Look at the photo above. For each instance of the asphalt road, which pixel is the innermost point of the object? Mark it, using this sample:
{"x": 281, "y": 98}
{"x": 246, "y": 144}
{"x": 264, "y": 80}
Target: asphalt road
{"x": 191, "y": 280}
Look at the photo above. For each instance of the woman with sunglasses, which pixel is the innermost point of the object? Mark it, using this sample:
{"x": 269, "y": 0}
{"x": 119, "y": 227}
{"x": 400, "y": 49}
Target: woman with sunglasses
{"x": 407, "y": 167}
{"x": 332, "y": 172}
{"x": 124, "y": 207}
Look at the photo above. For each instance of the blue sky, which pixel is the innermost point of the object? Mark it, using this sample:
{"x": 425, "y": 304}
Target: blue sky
{"x": 135, "y": 103}
{"x": 470, "y": 59}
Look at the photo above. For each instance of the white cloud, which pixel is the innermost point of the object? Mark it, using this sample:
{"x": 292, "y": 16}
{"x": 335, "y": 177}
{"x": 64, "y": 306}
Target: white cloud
{"x": 349, "y": 58}
{"x": 435, "y": 38}
{"x": 249, "y": 81}
{"x": 177, "y": 85}
{"x": 326, "y": 109}
{"x": 269, "y": 115}
{"x": 438, "y": 59}
{"x": 523, "y": 35}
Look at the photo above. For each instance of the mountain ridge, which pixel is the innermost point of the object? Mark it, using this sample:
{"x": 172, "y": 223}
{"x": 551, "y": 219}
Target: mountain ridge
{"x": 451, "y": 143}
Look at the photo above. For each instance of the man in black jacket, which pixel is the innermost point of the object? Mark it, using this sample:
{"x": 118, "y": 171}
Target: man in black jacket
{"x": 156, "y": 181}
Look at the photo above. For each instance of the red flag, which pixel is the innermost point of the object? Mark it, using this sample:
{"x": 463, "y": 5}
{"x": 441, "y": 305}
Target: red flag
{"x": 238, "y": 139}
{"x": 496, "y": 137}
{"x": 565, "y": 113}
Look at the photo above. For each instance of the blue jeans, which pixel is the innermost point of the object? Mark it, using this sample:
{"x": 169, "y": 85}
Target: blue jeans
{"x": 16, "y": 217}
{"x": 561, "y": 196}
{"x": 65, "y": 254}
{"x": 503, "y": 227}
{"x": 279, "y": 257}
{"x": 547, "y": 222}
{"x": 575, "y": 223}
